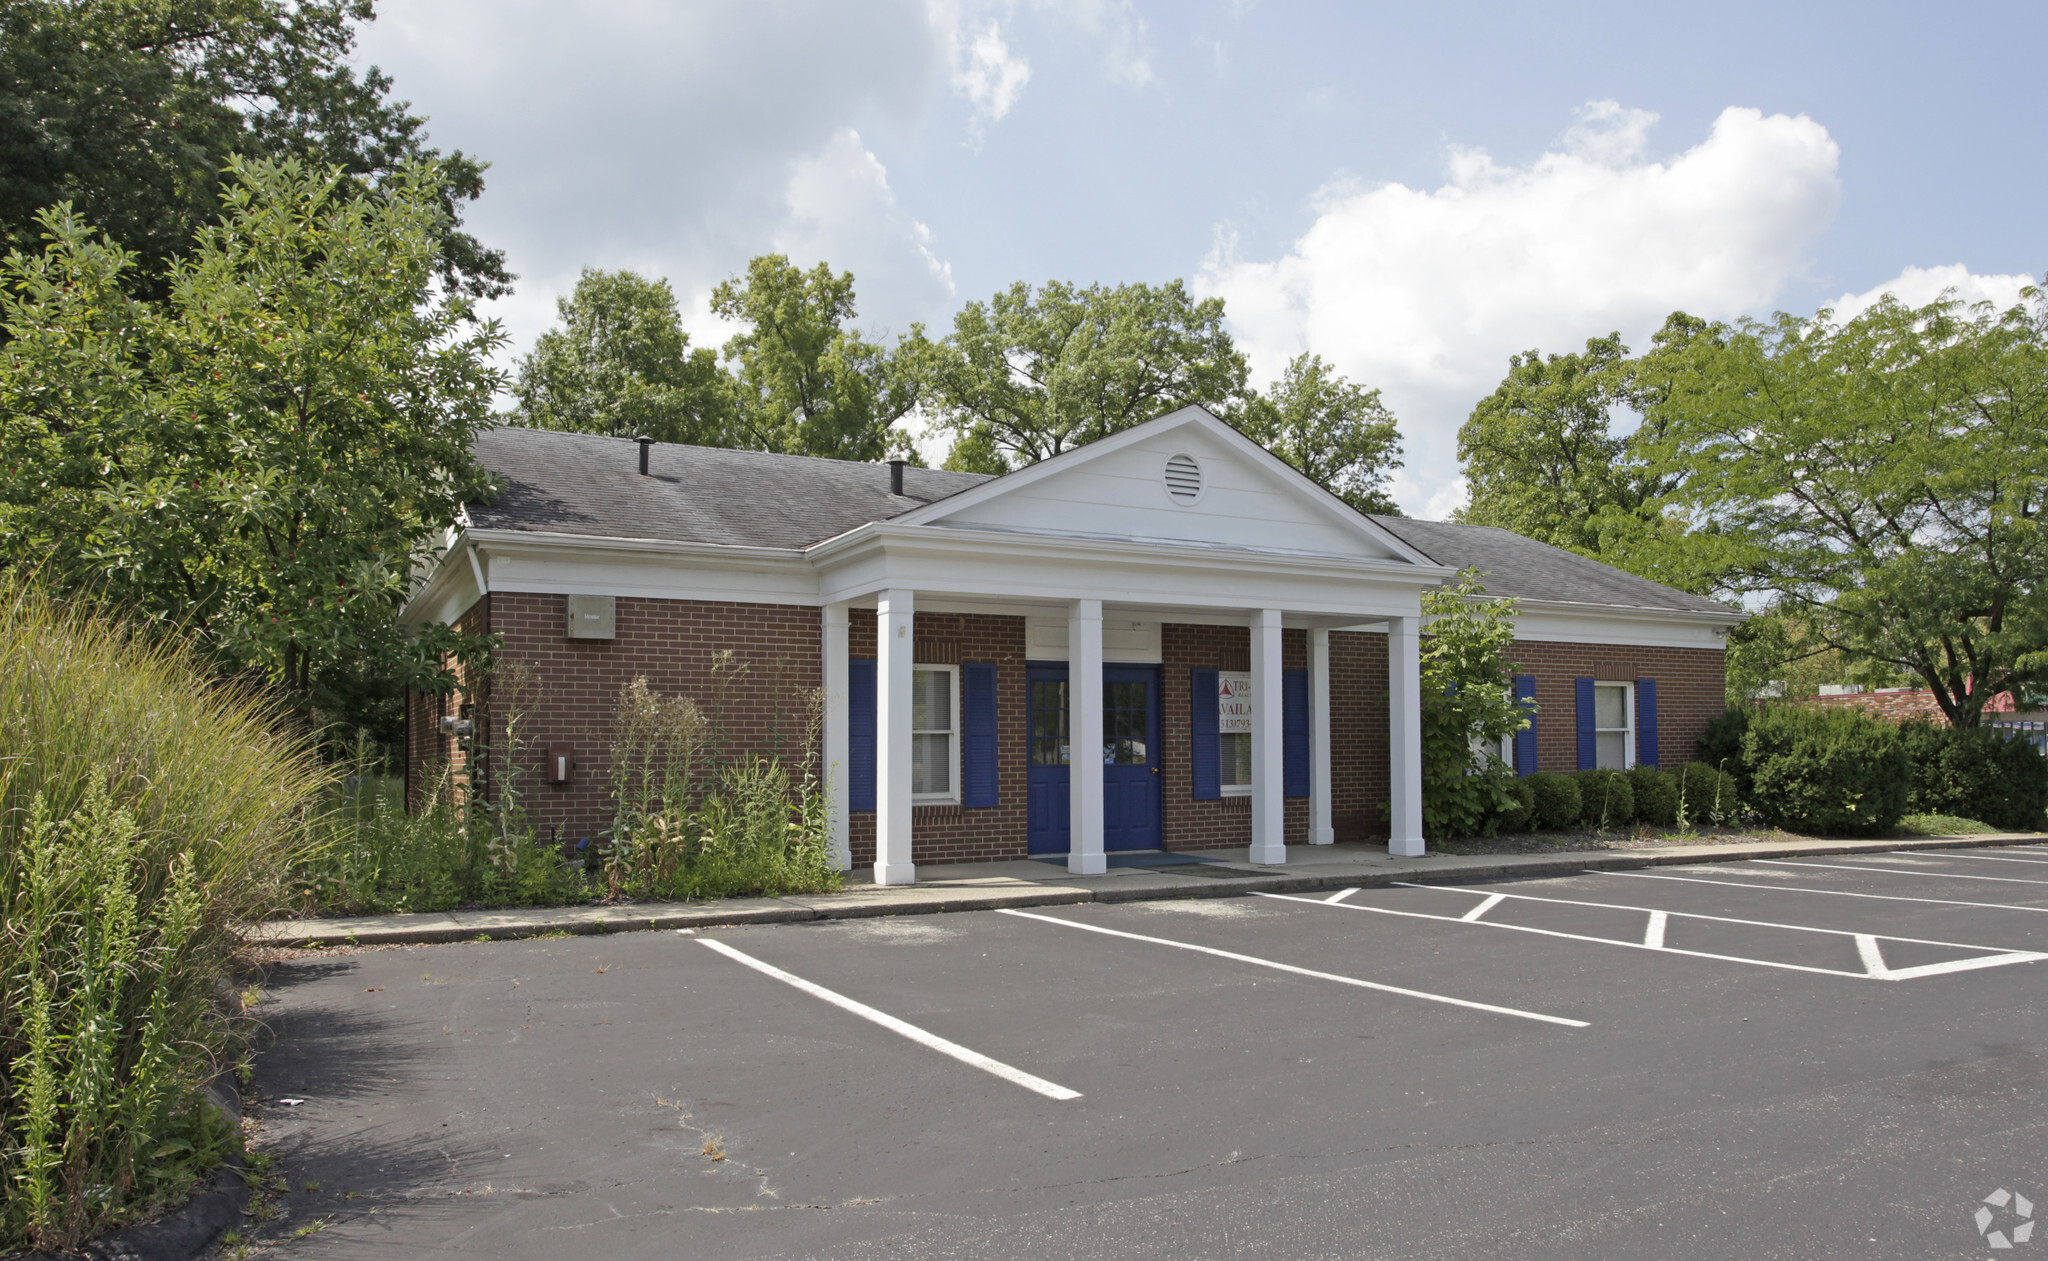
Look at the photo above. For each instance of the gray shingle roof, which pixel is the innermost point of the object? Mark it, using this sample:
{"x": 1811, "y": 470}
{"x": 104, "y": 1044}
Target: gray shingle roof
{"x": 1517, "y": 566}
{"x": 576, "y": 483}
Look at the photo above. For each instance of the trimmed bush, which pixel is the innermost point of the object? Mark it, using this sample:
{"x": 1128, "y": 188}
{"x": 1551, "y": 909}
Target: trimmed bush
{"x": 1831, "y": 772}
{"x": 1705, "y": 794}
{"x": 1606, "y": 799}
{"x": 1554, "y": 799}
{"x": 1975, "y": 774}
{"x": 1520, "y": 816}
{"x": 1656, "y": 796}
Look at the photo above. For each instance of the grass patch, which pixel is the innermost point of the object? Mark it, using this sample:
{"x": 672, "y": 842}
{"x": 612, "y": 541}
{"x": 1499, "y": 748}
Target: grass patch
{"x": 1942, "y": 825}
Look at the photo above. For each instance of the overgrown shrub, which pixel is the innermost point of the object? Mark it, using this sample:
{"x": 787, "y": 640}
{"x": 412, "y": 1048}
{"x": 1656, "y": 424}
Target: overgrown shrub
{"x": 1468, "y": 708}
{"x": 1721, "y": 745}
{"x": 1834, "y": 772}
{"x": 1520, "y": 816}
{"x": 145, "y": 812}
{"x": 1976, "y": 774}
{"x": 1706, "y": 794}
{"x": 1554, "y": 799}
{"x": 1656, "y": 794}
{"x": 745, "y": 829}
{"x": 1606, "y": 799}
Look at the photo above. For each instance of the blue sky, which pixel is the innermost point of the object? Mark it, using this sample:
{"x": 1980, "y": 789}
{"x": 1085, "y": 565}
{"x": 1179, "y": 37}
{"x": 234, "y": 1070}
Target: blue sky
{"x": 1413, "y": 191}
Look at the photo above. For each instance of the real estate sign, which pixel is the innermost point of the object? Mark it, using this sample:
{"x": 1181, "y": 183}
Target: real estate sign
{"x": 1233, "y": 702}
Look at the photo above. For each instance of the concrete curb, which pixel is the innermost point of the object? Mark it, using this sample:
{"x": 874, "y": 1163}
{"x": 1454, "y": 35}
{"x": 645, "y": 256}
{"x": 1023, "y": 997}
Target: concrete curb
{"x": 863, "y": 902}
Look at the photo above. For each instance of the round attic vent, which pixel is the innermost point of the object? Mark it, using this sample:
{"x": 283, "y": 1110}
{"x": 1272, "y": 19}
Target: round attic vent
{"x": 1183, "y": 479}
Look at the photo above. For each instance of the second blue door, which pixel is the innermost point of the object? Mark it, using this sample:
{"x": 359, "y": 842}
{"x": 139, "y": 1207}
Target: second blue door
{"x": 1129, "y": 744}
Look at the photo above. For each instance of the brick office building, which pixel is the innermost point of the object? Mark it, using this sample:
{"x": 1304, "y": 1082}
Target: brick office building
{"x": 1176, "y": 580}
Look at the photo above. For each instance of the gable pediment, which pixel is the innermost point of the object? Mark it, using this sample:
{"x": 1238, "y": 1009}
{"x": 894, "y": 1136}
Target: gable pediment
{"x": 1184, "y": 478}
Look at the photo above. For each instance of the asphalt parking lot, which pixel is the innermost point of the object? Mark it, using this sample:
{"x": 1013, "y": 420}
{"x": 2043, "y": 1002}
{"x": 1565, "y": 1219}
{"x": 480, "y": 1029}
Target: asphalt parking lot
{"x": 1809, "y": 1058}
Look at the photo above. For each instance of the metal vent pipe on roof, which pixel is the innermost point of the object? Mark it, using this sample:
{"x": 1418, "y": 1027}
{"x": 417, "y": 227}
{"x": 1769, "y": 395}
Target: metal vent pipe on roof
{"x": 896, "y": 476}
{"x": 644, "y": 444}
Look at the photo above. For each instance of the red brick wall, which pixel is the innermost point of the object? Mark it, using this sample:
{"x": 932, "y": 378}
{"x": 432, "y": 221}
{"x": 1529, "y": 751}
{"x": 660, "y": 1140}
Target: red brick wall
{"x": 671, "y": 642}
{"x": 956, "y": 834}
{"x": 1691, "y": 693}
{"x": 434, "y": 762}
{"x": 1359, "y": 735}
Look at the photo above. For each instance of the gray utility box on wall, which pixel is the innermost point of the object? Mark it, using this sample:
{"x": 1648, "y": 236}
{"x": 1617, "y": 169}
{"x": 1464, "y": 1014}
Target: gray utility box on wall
{"x": 593, "y": 617}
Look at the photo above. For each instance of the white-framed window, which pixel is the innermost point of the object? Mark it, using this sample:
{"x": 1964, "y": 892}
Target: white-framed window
{"x": 1614, "y": 726}
{"x": 1234, "y": 763}
{"x": 935, "y": 733}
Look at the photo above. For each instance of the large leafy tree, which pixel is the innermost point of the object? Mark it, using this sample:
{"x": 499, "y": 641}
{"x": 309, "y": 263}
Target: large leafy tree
{"x": 130, "y": 110}
{"x": 620, "y": 363}
{"x": 804, "y": 382}
{"x": 1543, "y": 458}
{"x": 264, "y": 456}
{"x": 1883, "y": 480}
{"x": 1032, "y": 373}
{"x": 1336, "y": 432}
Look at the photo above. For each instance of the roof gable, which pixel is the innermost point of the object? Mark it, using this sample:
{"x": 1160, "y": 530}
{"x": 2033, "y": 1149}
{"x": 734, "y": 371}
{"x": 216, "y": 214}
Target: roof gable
{"x": 1117, "y": 488}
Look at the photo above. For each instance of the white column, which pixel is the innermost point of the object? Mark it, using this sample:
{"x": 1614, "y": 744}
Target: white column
{"x": 1084, "y": 730}
{"x": 835, "y": 734}
{"x": 1269, "y": 742}
{"x": 894, "y": 637}
{"x": 1404, "y": 737}
{"x": 1321, "y": 830}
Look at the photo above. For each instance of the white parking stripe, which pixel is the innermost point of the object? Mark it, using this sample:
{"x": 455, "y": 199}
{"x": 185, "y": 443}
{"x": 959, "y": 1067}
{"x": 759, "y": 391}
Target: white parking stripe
{"x": 1873, "y": 958}
{"x": 1340, "y": 895}
{"x": 1288, "y": 967}
{"x": 1994, "y": 858}
{"x": 1833, "y": 893}
{"x": 1654, "y": 938}
{"x": 1484, "y": 907}
{"x": 1894, "y": 871}
{"x": 1017, "y": 1076}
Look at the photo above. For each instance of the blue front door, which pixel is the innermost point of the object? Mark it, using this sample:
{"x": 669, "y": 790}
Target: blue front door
{"x": 1051, "y": 750}
{"x": 1129, "y": 749}
{"x": 1130, "y": 757}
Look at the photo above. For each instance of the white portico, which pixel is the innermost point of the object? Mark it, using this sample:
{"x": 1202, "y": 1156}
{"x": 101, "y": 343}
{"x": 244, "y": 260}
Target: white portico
{"x": 1179, "y": 521}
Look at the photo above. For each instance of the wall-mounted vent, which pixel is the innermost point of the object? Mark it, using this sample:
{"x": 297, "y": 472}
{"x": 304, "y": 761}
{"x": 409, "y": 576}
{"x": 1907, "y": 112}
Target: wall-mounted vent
{"x": 1183, "y": 479}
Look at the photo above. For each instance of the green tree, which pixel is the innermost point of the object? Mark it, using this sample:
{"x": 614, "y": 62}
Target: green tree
{"x": 263, "y": 457}
{"x": 1543, "y": 459}
{"x": 805, "y": 383}
{"x": 1338, "y": 433}
{"x": 621, "y": 364}
{"x": 1884, "y": 480}
{"x": 129, "y": 111}
{"x": 1468, "y": 707}
{"x": 1030, "y": 374}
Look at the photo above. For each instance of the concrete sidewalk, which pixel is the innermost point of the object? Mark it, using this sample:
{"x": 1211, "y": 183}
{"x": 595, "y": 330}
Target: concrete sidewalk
{"x": 986, "y": 886}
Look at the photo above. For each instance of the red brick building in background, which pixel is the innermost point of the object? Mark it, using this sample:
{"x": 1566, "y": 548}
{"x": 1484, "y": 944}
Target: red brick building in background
{"x": 953, "y": 624}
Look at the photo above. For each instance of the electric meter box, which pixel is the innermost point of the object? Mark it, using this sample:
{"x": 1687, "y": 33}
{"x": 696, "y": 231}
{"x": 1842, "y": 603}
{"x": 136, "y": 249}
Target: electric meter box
{"x": 593, "y": 617}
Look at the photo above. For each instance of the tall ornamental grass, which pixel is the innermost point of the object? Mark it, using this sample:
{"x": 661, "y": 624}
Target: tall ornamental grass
{"x": 145, "y": 812}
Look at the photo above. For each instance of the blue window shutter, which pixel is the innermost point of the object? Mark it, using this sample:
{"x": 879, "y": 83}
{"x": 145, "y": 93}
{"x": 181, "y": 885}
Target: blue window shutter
{"x": 1589, "y": 753}
{"x": 1202, "y": 751}
{"x": 1525, "y": 739}
{"x": 860, "y": 734}
{"x": 1294, "y": 773}
{"x": 978, "y": 734}
{"x": 1646, "y": 722}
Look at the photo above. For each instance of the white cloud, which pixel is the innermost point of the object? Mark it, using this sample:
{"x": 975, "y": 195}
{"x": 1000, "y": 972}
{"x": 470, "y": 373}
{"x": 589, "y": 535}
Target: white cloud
{"x": 1918, "y": 286}
{"x": 1426, "y": 292}
{"x": 984, "y": 71}
{"x": 842, "y": 212}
